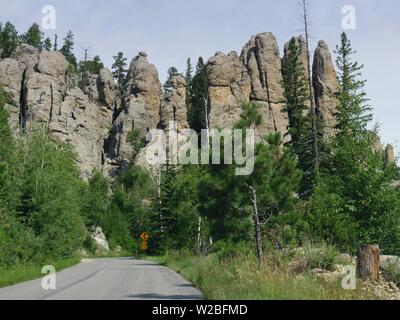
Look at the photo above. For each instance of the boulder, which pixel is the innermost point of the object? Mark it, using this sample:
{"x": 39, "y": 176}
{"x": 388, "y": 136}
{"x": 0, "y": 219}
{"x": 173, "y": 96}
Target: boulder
{"x": 52, "y": 64}
{"x": 389, "y": 261}
{"x": 100, "y": 240}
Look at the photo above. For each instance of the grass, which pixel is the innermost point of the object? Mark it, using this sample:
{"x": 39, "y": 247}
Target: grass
{"x": 240, "y": 278}
{"x": 20, "y": 273}
{"x": 392, "y": 273}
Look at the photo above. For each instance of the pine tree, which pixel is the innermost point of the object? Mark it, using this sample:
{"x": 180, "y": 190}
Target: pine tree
{"x": 189, "y": 71}
{"x": 229, "y": 200}
{"x": 197, "y": 112}
{"x": 119, "y": 71}
{"x": 33, "y": 36}
{"x": 353, "y": 114}
{"x": 297, "y": 104}
{"x": 67, "y": 49}
{"x": 92, "y": 66}
{"x": 47, "y": 44}
{"x": 172, "y": 72}
{"x": 9, "y": 39}
{"x": 350, "y": 204}
{"x": 269, "y": 189}
{"x": 188, "y": 78}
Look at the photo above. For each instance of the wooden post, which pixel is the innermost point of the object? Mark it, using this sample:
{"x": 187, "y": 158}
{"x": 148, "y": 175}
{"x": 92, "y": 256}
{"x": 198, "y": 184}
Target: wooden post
{"x": 368, "y": 262}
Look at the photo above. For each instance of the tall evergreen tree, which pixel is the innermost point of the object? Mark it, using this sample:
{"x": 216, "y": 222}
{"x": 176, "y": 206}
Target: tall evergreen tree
{"x": 353, "y": 113}
{"x": 172, "y": 72}
{"x": 9, "y": 39}
{"x": 47, "y": 44}
{"x": 33, "y": 36}
{"x": 67, "y": 49}
{"x": 189, "y": 71}
{"x": 188, "y": 78}
{"x": 119, "y": 71}
{"x": 229, "y": 200}
{"x": 197, "y": 111}
{"x": 350, "y": 204}
{"x": 297, "y": 106}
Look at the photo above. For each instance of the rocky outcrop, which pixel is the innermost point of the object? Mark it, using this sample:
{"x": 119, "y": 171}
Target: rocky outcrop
{"x": 325, "y": 86}
{"x": 27, "y": 56}
{"x": 118, "y": 148}
{"x": 11, "y": 76}
{"x": 38, "y": 86}
{"x": 100, "y": 88}
{"x": 262, "y": 59}
{"x": 229, "y": 86}
{"x": 35, "y": 83}
{"x": 141, "y": 111}
{"x": 143, "y": 83}
{"x": 173, "y": 106}
{"x": 85, "y": 125}
{"x": 106, "y": 88}
{"x": 42, "y": 88}
{"x": 389, "y": 155}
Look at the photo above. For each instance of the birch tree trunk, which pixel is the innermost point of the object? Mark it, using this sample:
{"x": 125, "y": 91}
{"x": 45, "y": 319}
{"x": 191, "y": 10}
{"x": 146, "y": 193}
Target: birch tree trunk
{"x": 199, "y": 235}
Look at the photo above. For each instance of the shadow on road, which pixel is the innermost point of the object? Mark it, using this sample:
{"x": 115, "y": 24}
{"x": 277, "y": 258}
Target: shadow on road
{"x": 155, "y": 296}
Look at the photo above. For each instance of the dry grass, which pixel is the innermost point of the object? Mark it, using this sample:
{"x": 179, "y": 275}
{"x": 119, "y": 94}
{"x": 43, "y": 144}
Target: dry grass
{"x": 240, "y": 278}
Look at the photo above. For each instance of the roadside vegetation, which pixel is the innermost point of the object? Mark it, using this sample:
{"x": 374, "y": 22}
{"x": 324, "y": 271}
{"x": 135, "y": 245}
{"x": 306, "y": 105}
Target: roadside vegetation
{"x": 24, "y": 272}
{"x": 238, "y": 277}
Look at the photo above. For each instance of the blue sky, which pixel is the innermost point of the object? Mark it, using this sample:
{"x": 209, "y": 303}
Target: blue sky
{"x": 172, "y": 30}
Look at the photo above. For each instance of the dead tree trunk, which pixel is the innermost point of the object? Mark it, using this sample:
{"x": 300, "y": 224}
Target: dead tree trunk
{"x": 257, "y": 227}
{"x": 368, "y": 262}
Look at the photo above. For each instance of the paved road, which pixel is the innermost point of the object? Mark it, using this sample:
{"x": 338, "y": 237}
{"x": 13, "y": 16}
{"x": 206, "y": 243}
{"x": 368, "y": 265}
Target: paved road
{"x": 108, "y": 279}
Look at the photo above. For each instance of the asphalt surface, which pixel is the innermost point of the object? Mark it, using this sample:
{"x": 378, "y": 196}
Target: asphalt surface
{"x": 108, "y": 279}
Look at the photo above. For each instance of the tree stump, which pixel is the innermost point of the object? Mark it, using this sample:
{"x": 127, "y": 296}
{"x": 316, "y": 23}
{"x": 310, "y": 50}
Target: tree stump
{"x": 368, "y": 262}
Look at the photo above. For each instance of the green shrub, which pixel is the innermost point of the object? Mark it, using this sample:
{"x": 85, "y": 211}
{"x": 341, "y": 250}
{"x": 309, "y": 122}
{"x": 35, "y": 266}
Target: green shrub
{"x": 229, "y": 249}
{"x": 392, "y": 272}
{"x": 321, "y": 256}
